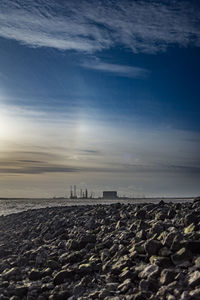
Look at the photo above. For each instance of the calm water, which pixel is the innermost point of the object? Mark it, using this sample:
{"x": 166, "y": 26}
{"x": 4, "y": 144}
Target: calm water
{"x": 9, "y": 206}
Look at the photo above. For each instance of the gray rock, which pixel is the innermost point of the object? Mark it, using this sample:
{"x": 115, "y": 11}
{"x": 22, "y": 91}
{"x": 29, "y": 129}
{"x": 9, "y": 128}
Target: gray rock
{"x": 140, "y": 296}
{"x": 152, "y": 247}
{"x": 61, "y": 295}
{"x": 193, "y": 246}
{"x": 197, "y": 262}
{"x": 72, "y": 244}
{"x": 157, "y": 228}
{"x": 195, "y": 294}
{"x": 125, "y": 286}
{"x": 78, "y": 289}
{"x": 169, "y": 238}
{"x": 104, "y": 293}
{"x": 181, "y": 256}
{"x": 164, "y": 251}
{"x": 167, "y": 276}
{"x": 11, "y": 273}
{"x": 194, "y": 279}
{"x": 163, "y": 262}
{"x": 192, "y": 217}
{"x": 34, "y": 274}
{"x": 149, "y": 271}
{"x": 140, "y": 214}
{"x": 61, "y": 277}
{"x": 52, "y": 264}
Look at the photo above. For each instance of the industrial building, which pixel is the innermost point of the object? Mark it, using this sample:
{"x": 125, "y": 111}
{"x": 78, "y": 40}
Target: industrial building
{"x": 110, "y": 195}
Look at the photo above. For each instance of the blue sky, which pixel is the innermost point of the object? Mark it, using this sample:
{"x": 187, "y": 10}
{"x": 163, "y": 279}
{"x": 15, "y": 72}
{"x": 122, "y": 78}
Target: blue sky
{"x": 102, "y": 94}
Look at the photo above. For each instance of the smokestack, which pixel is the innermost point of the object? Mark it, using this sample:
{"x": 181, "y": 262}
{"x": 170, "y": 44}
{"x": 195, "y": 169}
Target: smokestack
{"x": 75, "y": 191}
{"x": 71, "y": 193}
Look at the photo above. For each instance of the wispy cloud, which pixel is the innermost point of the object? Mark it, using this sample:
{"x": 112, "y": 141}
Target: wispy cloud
{"x": 116, "y": 69}
{"x": 90, "y": 26}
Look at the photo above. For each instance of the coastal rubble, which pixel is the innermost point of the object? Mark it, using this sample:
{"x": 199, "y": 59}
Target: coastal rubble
{"x": 113, "y": 252}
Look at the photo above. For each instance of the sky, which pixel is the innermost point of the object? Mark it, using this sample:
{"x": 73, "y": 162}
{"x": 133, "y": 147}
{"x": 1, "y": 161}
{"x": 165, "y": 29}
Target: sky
{"x": 103, "y": 94}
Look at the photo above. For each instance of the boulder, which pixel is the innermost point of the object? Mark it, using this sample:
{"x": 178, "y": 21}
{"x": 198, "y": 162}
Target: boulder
{"x": 181, "y": 256}
{"x": 194, "y": 279}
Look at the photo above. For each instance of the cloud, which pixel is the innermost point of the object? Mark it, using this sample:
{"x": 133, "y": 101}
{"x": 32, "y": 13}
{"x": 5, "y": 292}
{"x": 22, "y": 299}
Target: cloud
{"x": 44, "y": 168}
{"x": 121, "y": 70}
{"x": 90, "y": 151}
{"x": 90, "y": 26}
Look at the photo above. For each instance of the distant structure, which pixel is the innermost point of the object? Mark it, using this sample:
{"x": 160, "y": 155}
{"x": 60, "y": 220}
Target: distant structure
{"x": 73, "y": 195}
{"x": 110, "y": 195}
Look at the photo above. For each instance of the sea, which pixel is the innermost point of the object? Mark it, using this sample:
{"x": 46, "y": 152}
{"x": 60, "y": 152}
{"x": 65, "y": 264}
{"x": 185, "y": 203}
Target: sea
{"x": 16, "y": 205}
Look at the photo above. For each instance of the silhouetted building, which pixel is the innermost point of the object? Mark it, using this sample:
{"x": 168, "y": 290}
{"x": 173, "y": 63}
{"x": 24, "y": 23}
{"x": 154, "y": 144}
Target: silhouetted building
{"x": 110, "y": 195}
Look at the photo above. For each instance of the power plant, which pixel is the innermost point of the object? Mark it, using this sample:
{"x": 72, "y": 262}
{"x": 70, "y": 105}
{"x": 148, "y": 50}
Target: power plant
{"x": 83, "y": 194}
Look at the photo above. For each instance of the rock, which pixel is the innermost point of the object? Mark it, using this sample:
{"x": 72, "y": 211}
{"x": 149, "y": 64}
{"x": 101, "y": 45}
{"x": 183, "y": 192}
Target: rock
{"x": 53, "y": 264}
{"x": 14, "y": 298}
{"x": 140, "y": 214}
{"x": 2, "y": 297}
{"x": 35, "y": 274}
{"x": 61, "y": 295}
{"x": 171, "y": 297}
{"x": 105, "y": 254}
{"x": 152, "y": 247}
{"x": 112, "y": 286}
{"x": 190, "y": 228}
{"x": 149, "y": 271}
{"x": 169, "y": 238}
{"x": 104, "y": 293}
{"x": 164, "y": 251}
{"x": 162, "y": 262}
{"x": 192, "y": 217}
{"x": 181, "y": 256}
{"x": 140, "y": 296}
{"x": 72, "y": 244}
{"x": 195, "y": 294}
{"x": 138, "y": 247}
{"x": 85, "y": 268}
{"x": 122, "y": 263}
{"x": 185, "y": 295}
{"x": 171, "y": 214}
{"x": 11, "y": 273}
{"x": 125, "y": 286}
{"x": 21, "y": 291}
{"x": 167, "y": 276}
{"x": 197, "y": 262}
{"x": 61, "y": 277}
{"x": 157, "y": 228}
{"x": 193, "y": 246}
{"x": 94, "y": 295}
{"x": 78, "y": 289}
{"x": 148, "y": 284}
{"x": 86, "y": 239}
{"x": 71, "y": 258}
{"x": 160, "y": 216}
{"x": 161, "y": 203}
{"x": 196, "y": 200}
{"x": 194, "y": 279}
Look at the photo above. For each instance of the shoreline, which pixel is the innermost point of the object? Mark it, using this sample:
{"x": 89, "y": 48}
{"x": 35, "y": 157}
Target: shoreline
{"x": 116, "y": 251}
{"x": 15, "y": 205}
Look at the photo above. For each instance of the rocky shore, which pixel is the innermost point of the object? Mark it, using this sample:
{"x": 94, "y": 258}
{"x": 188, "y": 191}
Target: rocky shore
{"x": 118, "y": 251}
